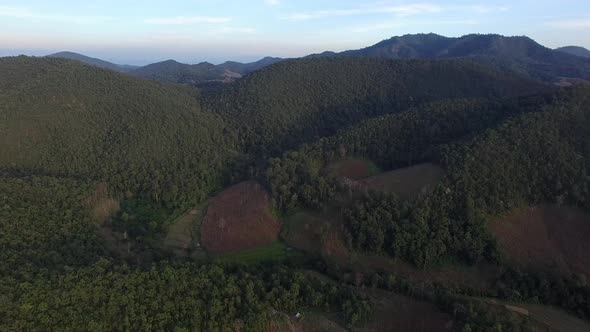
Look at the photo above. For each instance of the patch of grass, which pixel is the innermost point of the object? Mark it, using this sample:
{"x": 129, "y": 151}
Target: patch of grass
{"x": 274, "y": 252}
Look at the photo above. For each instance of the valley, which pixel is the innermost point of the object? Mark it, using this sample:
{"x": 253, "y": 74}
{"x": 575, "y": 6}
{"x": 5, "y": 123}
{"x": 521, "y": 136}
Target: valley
{"x": 427, "y": 189}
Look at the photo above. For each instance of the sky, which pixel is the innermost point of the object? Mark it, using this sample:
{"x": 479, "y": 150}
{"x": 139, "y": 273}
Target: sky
{"x": 144, "y": 31}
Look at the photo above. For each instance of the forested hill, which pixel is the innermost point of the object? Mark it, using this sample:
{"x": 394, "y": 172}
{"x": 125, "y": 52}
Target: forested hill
{"x": 575, "y": 50}
{"x": 64, "y": 118}
{"x": 519, "y": 53}
{"x": 298, "y": 100}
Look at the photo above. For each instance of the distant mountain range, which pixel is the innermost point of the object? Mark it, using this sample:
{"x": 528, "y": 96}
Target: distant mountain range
{"x": 575, "y": 50}
{"x": 519, "y": 54}
{"x": 94, "y": 61}
{"x": 176, "y": 72}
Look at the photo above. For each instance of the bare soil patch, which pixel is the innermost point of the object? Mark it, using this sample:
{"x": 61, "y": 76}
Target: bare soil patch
{"x": 546, "y": 237}
{"x": 354, "y": 169}
{"x": 239, "y": 218}
{"x": 408, "y": 182}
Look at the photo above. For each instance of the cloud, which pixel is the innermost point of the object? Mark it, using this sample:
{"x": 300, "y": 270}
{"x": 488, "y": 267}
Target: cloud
{"x": 185, "y": 20}
{"x": 392, "y": 25}
{"x": 375, "y": 27}
{"x": 401, "y": 10}
{"x": 483, "y": 9}
{"x": 577, "y": 24}
{"x": 27, "y": 13}
{"x": 15, "y": 12}
{"x": 272, "y": 2}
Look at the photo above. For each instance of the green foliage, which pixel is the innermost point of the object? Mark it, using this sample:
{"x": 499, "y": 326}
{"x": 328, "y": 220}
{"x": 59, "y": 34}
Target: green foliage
{"x": 142, "y": 138}
{"x": 571, "y": 293}
{"x": 297, "y": 101}
{"x": 44, "y": 225}
{"x": 166, "y": 297}
{"x": 67, "y": 127}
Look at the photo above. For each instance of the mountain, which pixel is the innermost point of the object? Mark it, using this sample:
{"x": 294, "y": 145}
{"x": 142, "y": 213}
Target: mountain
{"x": 93, "y": 61}
{"x": 520, "y": 54}
{"x": 575, "y": 50}
{"x": 176, "y": 72}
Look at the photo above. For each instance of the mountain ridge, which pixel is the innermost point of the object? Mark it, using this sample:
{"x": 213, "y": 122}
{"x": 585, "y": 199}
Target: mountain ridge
{"x": 575, "y": 50}
{"x": 92, "y": 61}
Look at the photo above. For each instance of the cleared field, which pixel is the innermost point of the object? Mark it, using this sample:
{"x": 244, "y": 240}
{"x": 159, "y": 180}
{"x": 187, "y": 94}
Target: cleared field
{"x": 315, "y": 234}
{"x": 395, "y": 312}
{"x": 543, "y": 317}
{"x": 181, "y": 233}
{"x": 271, "y": 253}
{"x": 408, "y": 182}
{"x": 239, "y": 219}
{"x": 354, "y": 169}
{"x": 556, "y": 319}
{"x": 546, "y": 237}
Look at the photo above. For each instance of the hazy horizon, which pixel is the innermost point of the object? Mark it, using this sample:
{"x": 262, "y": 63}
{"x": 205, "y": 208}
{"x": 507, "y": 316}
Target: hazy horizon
{"x": 138, "y": 33}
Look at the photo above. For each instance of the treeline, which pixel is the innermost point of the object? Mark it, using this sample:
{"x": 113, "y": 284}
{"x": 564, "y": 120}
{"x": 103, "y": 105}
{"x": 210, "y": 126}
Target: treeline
{"x": 106, "y": 297}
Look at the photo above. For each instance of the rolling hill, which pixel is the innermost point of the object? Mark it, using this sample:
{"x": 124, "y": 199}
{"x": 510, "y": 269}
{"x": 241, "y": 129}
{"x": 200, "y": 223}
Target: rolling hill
{"x": 575, "y": 50}
{"x": 83, "y": 121}
{"x": 93, "y": 61}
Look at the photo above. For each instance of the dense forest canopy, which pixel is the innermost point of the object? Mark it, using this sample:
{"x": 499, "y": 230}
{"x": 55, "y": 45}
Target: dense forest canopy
{"x": 92, "y": 160}
{"x": 302, "y": 100}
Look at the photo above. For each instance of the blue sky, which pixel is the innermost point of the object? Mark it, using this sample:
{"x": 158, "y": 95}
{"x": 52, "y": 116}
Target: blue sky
{"x": 143, "y": 31}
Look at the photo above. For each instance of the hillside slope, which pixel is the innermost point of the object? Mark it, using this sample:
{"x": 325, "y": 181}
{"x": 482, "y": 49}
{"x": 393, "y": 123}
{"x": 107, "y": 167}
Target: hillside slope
{"x": 64, "y": 118}
{"x": 300, "y": 100}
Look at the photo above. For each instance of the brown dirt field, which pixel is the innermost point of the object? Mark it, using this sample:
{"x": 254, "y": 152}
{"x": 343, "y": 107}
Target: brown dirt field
{"x": 408, "y": 182}
{"x": 546, "y": 237}
{"x": 354, "y": 169}
{"x": 395, "y": 312}
{"x": 239, "y": 218}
